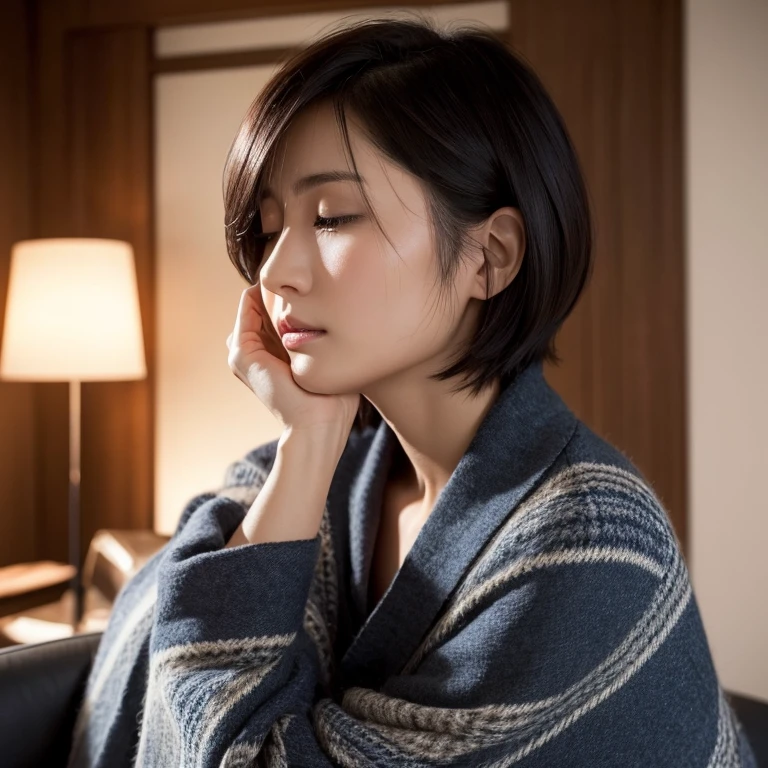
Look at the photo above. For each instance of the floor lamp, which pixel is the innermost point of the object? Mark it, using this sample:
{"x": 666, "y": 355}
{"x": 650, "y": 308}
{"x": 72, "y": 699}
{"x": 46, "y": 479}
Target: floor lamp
{"x": 72, "y": 314}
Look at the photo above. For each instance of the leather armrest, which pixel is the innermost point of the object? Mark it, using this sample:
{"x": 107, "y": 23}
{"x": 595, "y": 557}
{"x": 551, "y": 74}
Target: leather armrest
{"x": 753, "y": 716}
{"x": 114, "y": 557}
{"x": 41, "y": 690}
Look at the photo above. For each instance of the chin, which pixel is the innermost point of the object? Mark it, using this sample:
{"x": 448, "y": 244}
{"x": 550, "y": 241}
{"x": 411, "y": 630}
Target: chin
{"x": 311, "y": 377}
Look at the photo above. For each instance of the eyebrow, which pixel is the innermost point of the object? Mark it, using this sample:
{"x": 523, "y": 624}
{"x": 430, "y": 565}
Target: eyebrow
{"x": 306, "y": 183}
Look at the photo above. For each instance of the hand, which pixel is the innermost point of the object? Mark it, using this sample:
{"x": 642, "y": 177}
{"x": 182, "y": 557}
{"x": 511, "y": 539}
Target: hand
{"x": 258, "y": 358}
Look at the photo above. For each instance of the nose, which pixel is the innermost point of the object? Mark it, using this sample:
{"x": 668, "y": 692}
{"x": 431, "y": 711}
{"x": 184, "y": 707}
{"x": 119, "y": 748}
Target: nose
{"x": 287, "y": 267}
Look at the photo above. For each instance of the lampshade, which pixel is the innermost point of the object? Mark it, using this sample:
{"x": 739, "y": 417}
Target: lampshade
{"x": 72, "y": 312}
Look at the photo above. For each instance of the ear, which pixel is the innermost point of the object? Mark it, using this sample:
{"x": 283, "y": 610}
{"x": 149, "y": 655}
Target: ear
{"x": 502, "y": 235}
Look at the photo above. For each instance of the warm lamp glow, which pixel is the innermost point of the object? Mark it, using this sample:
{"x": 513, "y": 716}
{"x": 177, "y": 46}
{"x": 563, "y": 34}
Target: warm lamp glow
{"x": 72, "y": 312}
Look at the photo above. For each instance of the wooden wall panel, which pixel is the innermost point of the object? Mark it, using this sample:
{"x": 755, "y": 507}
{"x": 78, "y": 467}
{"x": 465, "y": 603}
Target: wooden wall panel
{"x": 615, "y": 72}
{"x": 669, "y": 464}
{"x": 111, "y": 194}
{"x": 94, "y": 180}
{"x": 50, "y": 215}
{"x": 18, "y": 480}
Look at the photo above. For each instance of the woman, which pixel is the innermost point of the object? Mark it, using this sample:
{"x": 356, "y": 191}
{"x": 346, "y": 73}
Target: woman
{"x": 436, "y": 563}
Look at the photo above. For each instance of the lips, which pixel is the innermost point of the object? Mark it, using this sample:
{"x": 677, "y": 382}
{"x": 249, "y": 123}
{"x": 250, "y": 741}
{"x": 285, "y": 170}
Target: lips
{"x": 291, "y": 324}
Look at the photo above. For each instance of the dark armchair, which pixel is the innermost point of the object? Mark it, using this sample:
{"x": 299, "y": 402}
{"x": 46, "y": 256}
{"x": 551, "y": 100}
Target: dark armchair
{"x": 41, "y": 688}
{"x": 42, "y": 685}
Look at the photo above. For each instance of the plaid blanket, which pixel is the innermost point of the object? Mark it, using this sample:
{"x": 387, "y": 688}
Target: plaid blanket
{"x": 544, "y": 616}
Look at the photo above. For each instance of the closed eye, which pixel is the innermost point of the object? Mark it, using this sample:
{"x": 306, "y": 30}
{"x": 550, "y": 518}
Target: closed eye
{"x": 328, "y": 224}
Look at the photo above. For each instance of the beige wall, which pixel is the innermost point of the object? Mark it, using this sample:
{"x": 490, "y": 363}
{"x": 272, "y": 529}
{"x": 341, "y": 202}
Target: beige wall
{"x": 726, "y": 110}
{"x": 206, "y": 417}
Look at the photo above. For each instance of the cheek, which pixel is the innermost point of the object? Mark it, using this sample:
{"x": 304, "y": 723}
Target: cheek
{"x": 394, "y": 321}
{"x": 380, "y": 291}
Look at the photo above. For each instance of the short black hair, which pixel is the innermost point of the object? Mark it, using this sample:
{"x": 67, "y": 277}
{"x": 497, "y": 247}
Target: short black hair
{"x": 467, "y": 115}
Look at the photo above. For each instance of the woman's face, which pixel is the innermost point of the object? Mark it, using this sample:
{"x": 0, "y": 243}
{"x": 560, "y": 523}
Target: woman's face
{"x": 377, "y": 304}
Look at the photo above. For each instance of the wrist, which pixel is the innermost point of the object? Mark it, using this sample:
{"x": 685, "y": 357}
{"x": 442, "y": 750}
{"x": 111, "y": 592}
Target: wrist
{"x": 309, "y": 458}
{"x": 290, "y": 504}
{"x": 317, "y": 441}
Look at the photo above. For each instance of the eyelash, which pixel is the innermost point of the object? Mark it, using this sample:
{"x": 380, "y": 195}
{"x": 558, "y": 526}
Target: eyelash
{"x": 328, "y": 224}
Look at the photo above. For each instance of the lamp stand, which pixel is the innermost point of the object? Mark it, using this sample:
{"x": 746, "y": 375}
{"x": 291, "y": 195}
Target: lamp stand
{"x": 74, "y": 499}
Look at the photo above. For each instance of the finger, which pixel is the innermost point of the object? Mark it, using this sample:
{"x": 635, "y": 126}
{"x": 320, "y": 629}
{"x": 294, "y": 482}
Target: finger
{"x": 250, "y": 316}
{"x": 248, "y": 321}
{"x": 254, "y": 328}
{"x": 268, "y": 325}
{"x": 259, "y": 309}
{"x": 269, "y": 334}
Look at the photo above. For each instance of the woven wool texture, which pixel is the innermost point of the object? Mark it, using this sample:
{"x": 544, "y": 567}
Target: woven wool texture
{"x": 543, "y": 617}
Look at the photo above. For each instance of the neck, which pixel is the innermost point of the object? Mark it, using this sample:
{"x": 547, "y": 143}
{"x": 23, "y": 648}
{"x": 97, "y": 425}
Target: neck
{"x": 434, "y": 430}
